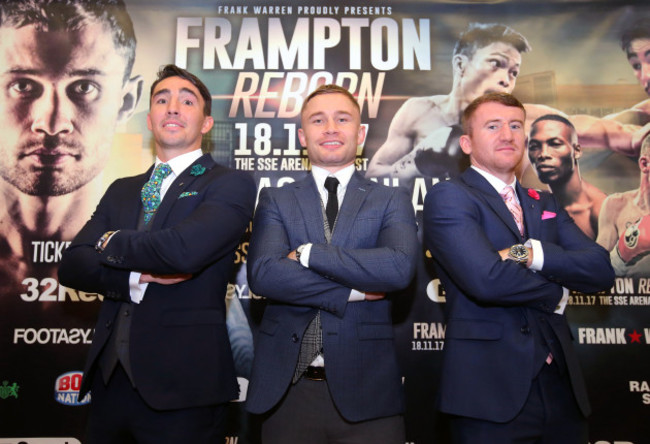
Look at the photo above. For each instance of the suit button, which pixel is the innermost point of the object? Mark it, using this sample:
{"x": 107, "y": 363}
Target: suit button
{"x": 108, "y": 324}
{"x": 525, "y": 330}
{"x": 294, "y": 338}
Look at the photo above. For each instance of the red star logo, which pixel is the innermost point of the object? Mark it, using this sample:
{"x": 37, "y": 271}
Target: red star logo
{"x": 635, "y": 337}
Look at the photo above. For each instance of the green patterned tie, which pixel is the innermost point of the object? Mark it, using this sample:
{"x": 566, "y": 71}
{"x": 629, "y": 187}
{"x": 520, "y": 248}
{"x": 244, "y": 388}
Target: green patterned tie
{"x": 151, "y": 191}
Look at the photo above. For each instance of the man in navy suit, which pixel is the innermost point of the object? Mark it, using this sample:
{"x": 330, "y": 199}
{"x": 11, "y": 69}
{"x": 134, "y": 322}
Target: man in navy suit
{"x": 510, "y": 372}
{"x": 325, "y": 368}
{"x": 160, "y": 366}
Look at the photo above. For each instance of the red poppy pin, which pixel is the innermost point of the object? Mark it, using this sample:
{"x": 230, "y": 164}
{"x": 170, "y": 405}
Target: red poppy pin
{"x": 533, "y": 193}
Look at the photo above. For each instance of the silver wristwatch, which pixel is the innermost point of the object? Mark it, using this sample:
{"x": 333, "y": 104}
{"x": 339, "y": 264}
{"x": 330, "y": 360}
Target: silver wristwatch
{"x": 519, "y": 254}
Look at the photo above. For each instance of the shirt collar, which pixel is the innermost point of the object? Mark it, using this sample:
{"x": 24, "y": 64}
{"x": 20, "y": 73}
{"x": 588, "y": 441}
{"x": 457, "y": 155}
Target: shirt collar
{"x": 496, "y": 183}
{"x": 179, "y": 163}
{"x": 343, "y": 175}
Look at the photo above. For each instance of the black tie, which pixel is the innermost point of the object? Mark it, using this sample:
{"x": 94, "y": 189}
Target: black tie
{"x": 332, "y": 208}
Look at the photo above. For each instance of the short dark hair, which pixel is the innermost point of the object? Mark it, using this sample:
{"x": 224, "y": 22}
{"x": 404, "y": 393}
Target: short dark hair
{"x": 639, "y": 29}
{"x": 330, "y": 89}
{"x": 70, "y": 15}
{"x": 174, "y": 71}
{"x": 557, "y": 118}
{"x": 480, "y": 35}
{"x": 497, "y": 97}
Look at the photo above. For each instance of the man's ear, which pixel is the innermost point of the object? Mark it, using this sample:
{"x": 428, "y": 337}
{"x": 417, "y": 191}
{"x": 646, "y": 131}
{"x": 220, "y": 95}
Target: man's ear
{"x": 577, "y": 151}
{"x": 459, "y": 63}
{"x": 465, "y": 144}
{"x": 131, "y": 94}
{"x": 301, "y": 138}
{"x": 361, "y": 136}
{"x": 208, "y": 123}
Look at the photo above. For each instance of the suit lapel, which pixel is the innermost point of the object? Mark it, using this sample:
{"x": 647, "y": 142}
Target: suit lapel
{"x": 532, "y": 212}
{"x": 309, "y": 202}
{"x": 492, "y": 198}
{"x": 355, "y": 194}
{"x": 183, "y": 182}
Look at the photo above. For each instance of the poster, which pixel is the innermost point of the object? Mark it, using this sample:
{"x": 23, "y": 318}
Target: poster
{"x": 260, "y": 60}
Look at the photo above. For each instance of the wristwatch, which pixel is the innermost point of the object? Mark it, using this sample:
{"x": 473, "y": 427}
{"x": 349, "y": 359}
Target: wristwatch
{"x": 101, "y": 243}
{"x": 519, "y": 254}
{"x": 299, "y": 251}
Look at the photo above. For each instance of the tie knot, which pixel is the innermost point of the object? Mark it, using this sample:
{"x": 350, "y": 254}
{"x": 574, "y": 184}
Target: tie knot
{"x": 331, "y": 184}
{"x": 162, "y": 170}
{"x": 507, "y": 193}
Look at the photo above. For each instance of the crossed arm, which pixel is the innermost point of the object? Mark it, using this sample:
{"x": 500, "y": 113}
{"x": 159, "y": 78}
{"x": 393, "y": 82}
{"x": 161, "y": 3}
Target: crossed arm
{"x": 458, "y": 241}
{"x": 210, "y": 232}
{"x": 386, "y": 264}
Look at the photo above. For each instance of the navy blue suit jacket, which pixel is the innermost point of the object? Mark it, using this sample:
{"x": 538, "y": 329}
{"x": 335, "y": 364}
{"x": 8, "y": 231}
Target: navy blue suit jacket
{"x": 179, "y": 349}
{"x": 373, "y": 248}
{"x": 497, "y": 311}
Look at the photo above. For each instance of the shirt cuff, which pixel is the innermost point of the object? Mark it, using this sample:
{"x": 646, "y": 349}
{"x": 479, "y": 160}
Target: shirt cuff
{"x": 538, "y": 254}
{"x": 136, "y": 289}
{"x": 304, "y": 255}
{"x": 356, "y": 296}
{"x": 562, "y": 304}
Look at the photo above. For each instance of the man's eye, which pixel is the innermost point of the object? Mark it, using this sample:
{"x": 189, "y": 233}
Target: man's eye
{"x": 494, "y": 63}
{"x": 188, "y": 102}
{"x": 25, "y": 88}
{"x": 83, "y": 91}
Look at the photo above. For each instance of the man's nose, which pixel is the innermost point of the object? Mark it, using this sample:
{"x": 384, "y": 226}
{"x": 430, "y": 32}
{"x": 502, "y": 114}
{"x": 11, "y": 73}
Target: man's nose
{"x": 544, "y": 152}
{"x": 331, "y": 126}
{"x": 173, "y": 106}
{"x": 52, "y": 114}
{"x": 506, "y": 79}
{"x": 506, "y": 132}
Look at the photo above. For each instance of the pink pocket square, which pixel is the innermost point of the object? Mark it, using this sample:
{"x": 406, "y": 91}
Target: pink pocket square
{"x": 548, "y": 215}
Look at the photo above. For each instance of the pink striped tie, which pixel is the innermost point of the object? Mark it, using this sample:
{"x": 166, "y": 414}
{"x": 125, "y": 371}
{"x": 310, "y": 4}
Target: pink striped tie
{"x": 508, "y": 195}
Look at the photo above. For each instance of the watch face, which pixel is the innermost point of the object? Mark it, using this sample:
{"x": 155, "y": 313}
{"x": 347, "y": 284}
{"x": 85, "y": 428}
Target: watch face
{"x": 519, "y": 253}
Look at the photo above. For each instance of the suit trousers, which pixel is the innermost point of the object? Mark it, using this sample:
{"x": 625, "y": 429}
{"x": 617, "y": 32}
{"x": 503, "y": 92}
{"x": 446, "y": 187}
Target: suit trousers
{"x": 307, "y": 414}
{"x": 119, "y": 415}
{"x": 550, "y": 416}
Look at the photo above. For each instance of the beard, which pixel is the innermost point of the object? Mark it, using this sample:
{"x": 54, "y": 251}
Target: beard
{"x": 48, "y": 178}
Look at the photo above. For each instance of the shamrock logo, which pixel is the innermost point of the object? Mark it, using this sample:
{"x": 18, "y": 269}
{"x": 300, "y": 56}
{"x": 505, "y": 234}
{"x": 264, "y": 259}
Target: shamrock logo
{"x": 197, "y": 170}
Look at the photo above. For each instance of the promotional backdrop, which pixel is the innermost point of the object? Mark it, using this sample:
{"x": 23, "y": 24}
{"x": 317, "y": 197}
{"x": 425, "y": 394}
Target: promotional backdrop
{"x": 260, "y": 60}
